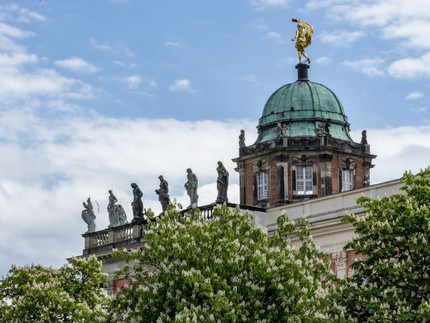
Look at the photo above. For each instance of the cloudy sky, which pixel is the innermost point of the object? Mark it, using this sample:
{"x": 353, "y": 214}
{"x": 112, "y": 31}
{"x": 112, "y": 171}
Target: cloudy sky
{"x": 95, "y": 95}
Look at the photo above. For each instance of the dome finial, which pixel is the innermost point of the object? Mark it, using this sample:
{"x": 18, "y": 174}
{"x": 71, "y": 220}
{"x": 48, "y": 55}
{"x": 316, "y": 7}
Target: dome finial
{"x": 302, "y": 72}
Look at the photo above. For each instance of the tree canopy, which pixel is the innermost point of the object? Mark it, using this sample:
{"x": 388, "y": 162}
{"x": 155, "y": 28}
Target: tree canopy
{"x": 224, "y": 269}
{"x": 390, "y": 282}
{"x": 39, "y": 294}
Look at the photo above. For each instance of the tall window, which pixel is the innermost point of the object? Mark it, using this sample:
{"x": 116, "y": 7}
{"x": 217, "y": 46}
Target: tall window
{"x": 262, "y": 186}
{"x": 304, "y": 180}
{"x": 346, "y": 180}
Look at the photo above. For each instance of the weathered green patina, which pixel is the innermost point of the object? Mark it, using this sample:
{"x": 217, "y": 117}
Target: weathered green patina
{"x": 303, "y": 105}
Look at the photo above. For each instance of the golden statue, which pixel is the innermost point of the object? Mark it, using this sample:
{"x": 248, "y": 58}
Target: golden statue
{"x": 302, "y": 39}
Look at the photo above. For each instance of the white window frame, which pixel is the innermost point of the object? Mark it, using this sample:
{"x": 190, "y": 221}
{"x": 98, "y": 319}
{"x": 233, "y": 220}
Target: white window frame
{"x": 262, "y": 183}
{"x": 304, "y": 180}
{"x": 347, "y": 181}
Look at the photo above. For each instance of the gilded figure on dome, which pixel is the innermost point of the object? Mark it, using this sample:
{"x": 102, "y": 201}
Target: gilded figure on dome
{"x": 303, "y": 38}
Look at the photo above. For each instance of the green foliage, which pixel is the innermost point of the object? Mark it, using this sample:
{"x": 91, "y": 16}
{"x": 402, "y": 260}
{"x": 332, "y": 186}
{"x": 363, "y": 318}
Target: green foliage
{"x": 391, "y": 283}
{"x": 224, "y": 269}
{"x": 39, "y": 294}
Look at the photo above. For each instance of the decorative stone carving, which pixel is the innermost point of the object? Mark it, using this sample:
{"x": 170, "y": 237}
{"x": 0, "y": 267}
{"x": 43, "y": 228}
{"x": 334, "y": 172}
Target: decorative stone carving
{"x": 88, "y": 216}
{"x": 137, "y": 204}
{"x": 348, "y": 163}
{"x": 339, "y": 259}
{"x": 163, "y": 193}
{"x": 222, "y": 183}
{"x": 191, "y": 187}
{"x": 304, "y": 160}
{"x": 242, "y": 139}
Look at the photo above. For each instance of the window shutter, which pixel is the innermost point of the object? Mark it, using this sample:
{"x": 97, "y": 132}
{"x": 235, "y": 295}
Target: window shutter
{"x": 293, "y": 175}
{"x": 328, "y": 186}
{"x": 280, "y": 183}
{"x": 255, "y": 190}
{"x": 340, "y": 180}
{"x": 314, "y": 183}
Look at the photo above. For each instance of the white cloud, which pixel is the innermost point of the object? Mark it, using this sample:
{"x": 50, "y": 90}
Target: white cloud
{"x": 410, "y": 32}
{"x": 411, "y": 67}
{"x": 170, "y": 43}
{"x": 10, "y": 31}
{"x": 76, "y": 64}
{"x": 319, "y": 4}
{"x": 133, "y": 81}
{"x": 323, "y": 60}
{"x": 16, "y": 83}
{"x": 16, "y": 59}
{"x": 15, "y": 13}
{"x": 251, "y": 79}
{"x": 118, "y": 49}
{"x": 259, "y": 24}
{"x": 369, "y": 67}
{"x": 275, "y": 36}
{"x": 341, "y": 37}
{"x": 390, "y": 19}
{"x": 286, "y": 62}
{"x": 181, "y": 85}
{"x": 263, "y": 4}
{"x": 418, "y": 109}
{"x": 415, "y": 95}
{"x": 45, "y": 180}
{"x": 398, "y": 149}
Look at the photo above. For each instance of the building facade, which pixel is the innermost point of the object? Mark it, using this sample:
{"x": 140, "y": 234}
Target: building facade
{"x": 303, "y": 163}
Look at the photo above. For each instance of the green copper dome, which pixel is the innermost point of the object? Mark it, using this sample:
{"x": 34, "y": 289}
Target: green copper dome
{"x": 302, "y": 106}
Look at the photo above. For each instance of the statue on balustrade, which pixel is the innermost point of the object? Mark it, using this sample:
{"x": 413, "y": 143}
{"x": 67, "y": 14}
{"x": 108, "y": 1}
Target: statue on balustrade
{"x": 88, "y": 216}
{"x": 242, "y": 139}
{"x": 191, "y": 187}
{"x": 116, "y": 212}
{"x": 122, "y": 217}
{"x": 222, "y": 183}
{"x": 137, "y": 204}
{"x": 163, "y": 193}
{"x": 364, "y": 137}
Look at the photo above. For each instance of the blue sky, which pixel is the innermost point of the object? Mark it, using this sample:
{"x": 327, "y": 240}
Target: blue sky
{"x": 95, "y": 95}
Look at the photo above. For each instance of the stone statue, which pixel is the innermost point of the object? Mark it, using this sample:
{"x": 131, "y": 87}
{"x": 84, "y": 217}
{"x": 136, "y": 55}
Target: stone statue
{"x": 302, "y": 39}
{"x": 111, "y": 208}
{"x": 364, "y": 137}
{"x": 278, "y": 129}
{"x": 242, "y": 139}
{"x": 88, "y": 216}
{"x": 281, "y": 130}
{"x": 116, "y": 212}
{"x": 137, "y": 204}
{"x": 222, "y": 183}
{"x": 163, "y": 193}
{"x": 320, "y": 131}
{"x": 327, "y": 126}
{"x": 191, "y": 187}
{"x": 121, "y": 216}
{"x": 284, "y": 130}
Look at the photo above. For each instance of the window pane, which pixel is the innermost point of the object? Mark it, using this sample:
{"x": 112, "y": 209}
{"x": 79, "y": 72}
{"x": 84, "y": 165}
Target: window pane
{"x": 262, "y": 186}
{"x": 346, "y": 180}
{"x": 304, "y": 180}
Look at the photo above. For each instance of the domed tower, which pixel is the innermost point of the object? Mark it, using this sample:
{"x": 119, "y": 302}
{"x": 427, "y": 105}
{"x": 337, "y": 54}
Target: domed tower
{"x": 303, "y": 149}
